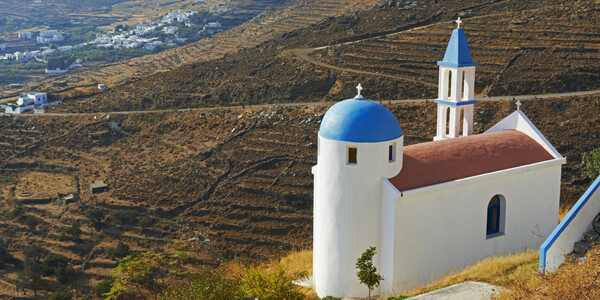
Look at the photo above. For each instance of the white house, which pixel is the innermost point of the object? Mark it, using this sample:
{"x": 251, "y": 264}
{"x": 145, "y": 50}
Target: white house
{"x": 213, "y": 27}
{"x": 26, "y": 35}
{"x": 49, "y": 36}
{"x": 27, "y": 102}
{"x": 430, "y": 208}
{"x": 34, "y": 98}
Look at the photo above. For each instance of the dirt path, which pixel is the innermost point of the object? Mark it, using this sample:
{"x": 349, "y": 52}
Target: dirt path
{"x": 303, "y": 54}
{"x": 495, "y": 98}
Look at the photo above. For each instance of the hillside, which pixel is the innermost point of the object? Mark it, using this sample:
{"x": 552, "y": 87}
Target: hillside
{"x": 235, "y": 182}
{"x": 522, "y": 49}
{"x": 265, "y": 20}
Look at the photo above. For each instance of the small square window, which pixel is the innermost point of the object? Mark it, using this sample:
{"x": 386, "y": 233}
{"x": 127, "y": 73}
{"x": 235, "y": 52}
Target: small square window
{"x": 352, "y": 152}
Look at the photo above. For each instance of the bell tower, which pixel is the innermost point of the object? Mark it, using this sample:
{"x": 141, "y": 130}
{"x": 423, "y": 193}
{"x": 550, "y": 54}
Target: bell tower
{"x": 456, "y": 88}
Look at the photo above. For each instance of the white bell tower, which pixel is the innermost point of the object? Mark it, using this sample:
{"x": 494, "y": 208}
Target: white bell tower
{"x": 456, "y": 90}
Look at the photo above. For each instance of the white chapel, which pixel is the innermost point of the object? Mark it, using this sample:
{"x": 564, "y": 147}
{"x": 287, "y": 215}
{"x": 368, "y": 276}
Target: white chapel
{"x": 430, "y": 208}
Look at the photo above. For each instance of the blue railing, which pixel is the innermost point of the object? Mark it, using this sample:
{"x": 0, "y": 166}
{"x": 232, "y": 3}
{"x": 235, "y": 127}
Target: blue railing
{"x": 565, "y": 222}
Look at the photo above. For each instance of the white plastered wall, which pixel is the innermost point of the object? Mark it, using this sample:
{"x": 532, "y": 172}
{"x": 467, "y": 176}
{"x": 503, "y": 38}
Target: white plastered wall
{"x": 574, "y": 231}
{"x": 347, "y": 211}
{"x": 442, "y": 228}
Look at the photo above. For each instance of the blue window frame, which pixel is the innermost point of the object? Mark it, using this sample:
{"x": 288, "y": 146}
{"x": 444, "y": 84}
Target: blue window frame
{"x": 493, "y": 216}
{"x": 391, "y": 153}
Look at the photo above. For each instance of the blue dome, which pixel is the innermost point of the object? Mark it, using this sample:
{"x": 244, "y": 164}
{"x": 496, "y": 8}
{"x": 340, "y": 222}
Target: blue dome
{"x": 359, "y": 120}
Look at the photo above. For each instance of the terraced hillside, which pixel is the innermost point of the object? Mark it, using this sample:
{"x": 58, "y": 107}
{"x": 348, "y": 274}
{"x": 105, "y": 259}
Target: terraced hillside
{"x": 274, "y": 18}
{"x": 392, "y": 49}
{"x": 519, "y": 52}
{"x": 236, "y": 183}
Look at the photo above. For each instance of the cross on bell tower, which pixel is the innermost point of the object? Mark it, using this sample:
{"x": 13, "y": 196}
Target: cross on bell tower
{"x": 458, "y": 22}
{"x": 456, "y": 88}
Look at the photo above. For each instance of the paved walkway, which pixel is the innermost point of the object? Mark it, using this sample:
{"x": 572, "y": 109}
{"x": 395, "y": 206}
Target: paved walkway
{"x": 469, "y": 290}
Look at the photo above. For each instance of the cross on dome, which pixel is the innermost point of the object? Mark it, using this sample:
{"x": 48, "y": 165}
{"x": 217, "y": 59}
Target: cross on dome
{"x": 458, "y": 22}
{"x": 518, "y": 105}
{"x": 359, "y": 88}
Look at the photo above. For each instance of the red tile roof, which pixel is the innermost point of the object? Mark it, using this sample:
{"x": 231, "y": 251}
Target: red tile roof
{"x": 436, "y": 162}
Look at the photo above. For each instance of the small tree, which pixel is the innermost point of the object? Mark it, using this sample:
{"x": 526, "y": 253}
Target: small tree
{"x": 95, "y": 215}
{"x": 74, "y": 231}
{"x": 102, "y": 288}
{"x": 591, "y": 164}
{"x": 120, "y": 251}
{"x": 61, "y": 295}
{"x": 35, "y": 253}
{"x": 5, "y": 256}
{"x": 32, "y": 222}
{"x": 17, "y": 211}
{"x": 367, "y": 273}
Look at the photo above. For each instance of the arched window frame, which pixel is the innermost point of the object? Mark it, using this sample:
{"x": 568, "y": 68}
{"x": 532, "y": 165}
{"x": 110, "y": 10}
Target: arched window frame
{"x": 495, "y": 226}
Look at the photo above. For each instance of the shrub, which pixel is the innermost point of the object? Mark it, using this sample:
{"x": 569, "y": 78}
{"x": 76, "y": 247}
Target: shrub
{"x": 591, "y": 164}
{"x": 95, "y": 215}
{"x": 17, "y": 211}
{"x": 120, "y": 251}
{"x": 124, "y": 217}
{"x": 58, "y": 265}
{"x": 32, "y": 222}
{"x": 53, "y": 263}
{"x": 61, "y": 295}
{"x": 35, "y": 253}
{"x": 258, "y": 283}
{"x": 102, "y": 288}
{"x": 208, "y": 284}
{"x": 5, "y": 256}
{"x": 74, "y": 231}
{"x": 367, "y": 272}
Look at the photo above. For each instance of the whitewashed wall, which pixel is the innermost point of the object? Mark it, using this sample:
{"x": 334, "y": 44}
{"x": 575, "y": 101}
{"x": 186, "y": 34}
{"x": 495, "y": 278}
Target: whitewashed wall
{"x": 347, "y": 212}
{"x": 571, "y": 229}
{"x": 442, "y": 228}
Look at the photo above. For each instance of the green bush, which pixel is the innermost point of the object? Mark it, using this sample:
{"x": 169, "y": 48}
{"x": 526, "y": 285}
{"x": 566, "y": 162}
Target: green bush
{"x": 120, "y": 251}
{"x": 264, "y": 285}
{"x": 95, "y": 215}
{"x": 61, "y": 295}
{"x": 17, "y": 212}
{"x": 58, "y": 265}
{"x": 102, "y": 288}
{"x": 208, "y": 284}
{"x": 32, "y": 222}
{"x": 73, "y": 232}
{"x": 591, "y": 164}
{"x": 53, "y": 263}
{"x": 5, "y": 256}
{"x": 35, "y": 253}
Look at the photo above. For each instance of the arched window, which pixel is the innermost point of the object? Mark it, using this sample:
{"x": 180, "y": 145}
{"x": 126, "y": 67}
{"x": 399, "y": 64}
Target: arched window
{"x": 465, "y": 86}
{"x": 495, "y": 216}
{"x": 449, "y": 91}
{"x": 462, "y": 123}
{"x": 448, "y": 121}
